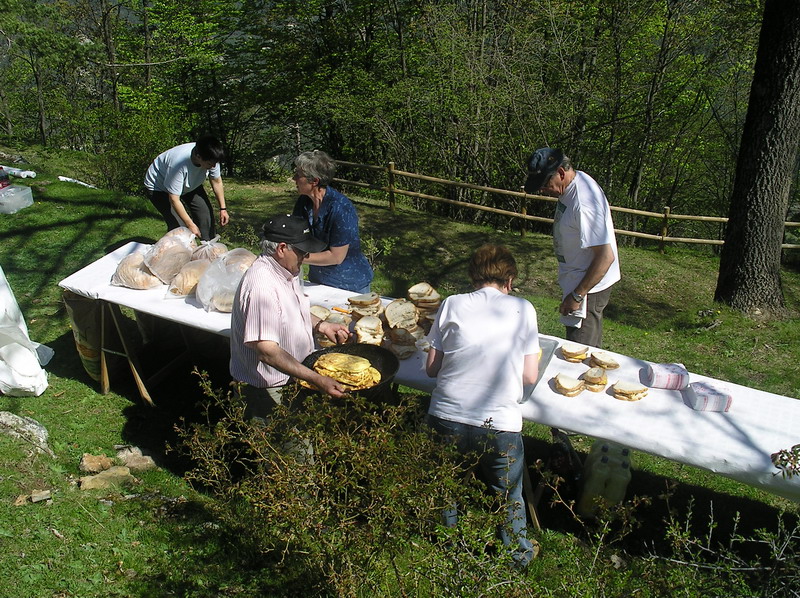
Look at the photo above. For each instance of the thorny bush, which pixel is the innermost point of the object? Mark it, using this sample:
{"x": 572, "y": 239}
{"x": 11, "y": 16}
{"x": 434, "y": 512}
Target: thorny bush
{"x": 339, "y": 495}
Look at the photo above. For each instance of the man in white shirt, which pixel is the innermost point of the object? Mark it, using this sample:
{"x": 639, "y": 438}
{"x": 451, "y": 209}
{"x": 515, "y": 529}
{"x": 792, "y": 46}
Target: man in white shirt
{"x": 272, "y": 327}
{"x": 174, "y": 183}
{"x": 584, "y": 242}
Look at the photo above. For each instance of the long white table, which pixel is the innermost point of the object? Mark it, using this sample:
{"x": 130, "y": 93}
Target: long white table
{"x": 736, "y": 444}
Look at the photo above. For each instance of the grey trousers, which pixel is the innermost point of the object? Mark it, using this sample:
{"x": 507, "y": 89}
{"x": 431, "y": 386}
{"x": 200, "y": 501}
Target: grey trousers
{"x": 591, "y": 331}
{"x": 260, "y": 401}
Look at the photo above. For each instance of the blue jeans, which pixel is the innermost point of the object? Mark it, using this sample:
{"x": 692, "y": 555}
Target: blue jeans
{"x": 500, "y": 467}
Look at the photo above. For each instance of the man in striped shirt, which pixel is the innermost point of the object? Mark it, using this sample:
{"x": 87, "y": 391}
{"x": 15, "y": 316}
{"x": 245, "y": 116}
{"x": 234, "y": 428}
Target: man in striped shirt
{"x": 272, "y": 328}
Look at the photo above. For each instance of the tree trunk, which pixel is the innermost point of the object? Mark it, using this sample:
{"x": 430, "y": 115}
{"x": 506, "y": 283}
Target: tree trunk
{"x": 42, "y": 120}
{"x": 8, "y": 125}
{"x": 106, "y": 29}
{"x": 147, "y": 43}
{"x": 749, "y": 272}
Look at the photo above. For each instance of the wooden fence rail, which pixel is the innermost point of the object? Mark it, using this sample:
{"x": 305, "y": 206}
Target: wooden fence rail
{"x": 393, "y": 190}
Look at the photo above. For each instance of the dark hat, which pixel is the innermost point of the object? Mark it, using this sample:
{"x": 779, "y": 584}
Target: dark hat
{"x": 292, "y": 230}
{"x": 541, "y": 165}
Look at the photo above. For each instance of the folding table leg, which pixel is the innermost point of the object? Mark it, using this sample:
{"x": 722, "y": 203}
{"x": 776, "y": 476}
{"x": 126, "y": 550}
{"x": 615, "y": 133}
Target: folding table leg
{"x": 105, "y": 384}
{"x": 133, "y": 361}
{"x": 531, "y": 497}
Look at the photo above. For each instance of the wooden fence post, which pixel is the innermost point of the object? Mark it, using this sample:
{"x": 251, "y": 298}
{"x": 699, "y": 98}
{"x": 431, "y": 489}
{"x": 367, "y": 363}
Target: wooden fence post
{"x": 391, "y": 186}
{"x": 524, "y": 213}
{"x": 664, "y": 229}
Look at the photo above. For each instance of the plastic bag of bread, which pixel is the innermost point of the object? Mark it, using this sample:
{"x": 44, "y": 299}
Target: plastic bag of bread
{"x": 217, "y": 286}
{"x": 132, "y": 273}
{"x": 166, "y": 258}
{"x": 185, "y": 282}
{"x": 186, "y": 236}
{"x": 209, "y": 250}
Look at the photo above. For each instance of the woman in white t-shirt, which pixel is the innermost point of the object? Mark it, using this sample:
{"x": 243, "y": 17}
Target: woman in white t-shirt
{"x": 484, "y": 348}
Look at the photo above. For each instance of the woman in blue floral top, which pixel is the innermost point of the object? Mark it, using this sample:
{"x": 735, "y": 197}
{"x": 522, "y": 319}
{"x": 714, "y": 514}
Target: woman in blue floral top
{"x": 333, "y": 219}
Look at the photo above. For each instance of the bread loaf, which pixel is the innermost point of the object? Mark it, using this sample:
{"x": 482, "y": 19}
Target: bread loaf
{"x": 133, "y": 274}
{"x": 209, "y": 250}
{"x": 401, "y": 314}
{"x": 217, "y": 286}
{"x": 185, "y": 281}
{"x": 166, "y": 258}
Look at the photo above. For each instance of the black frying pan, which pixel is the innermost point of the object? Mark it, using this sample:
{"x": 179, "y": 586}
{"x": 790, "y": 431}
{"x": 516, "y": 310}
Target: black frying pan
{"x": 381, "y": 359}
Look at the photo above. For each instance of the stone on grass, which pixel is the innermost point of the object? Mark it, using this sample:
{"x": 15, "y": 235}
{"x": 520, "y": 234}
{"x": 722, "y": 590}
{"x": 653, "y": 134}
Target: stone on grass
{"x": 132, "y": 457}
{"x": 40, "y": 495}
{"x": 95, "y": 463}
{"x": 26, "y": 429}
{"x": 116, "y": 476}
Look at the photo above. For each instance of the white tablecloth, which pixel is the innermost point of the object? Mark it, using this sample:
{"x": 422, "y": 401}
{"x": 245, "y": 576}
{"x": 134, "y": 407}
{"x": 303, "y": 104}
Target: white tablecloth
{"x": 736, "y": 444}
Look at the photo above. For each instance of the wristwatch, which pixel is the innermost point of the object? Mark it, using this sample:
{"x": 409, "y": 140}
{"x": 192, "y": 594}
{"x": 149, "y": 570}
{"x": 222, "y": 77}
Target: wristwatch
{"x": 576, "y": 297}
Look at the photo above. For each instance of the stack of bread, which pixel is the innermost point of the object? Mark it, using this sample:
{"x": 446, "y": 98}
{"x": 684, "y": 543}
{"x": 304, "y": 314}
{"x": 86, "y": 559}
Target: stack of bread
{"x": 176, "y": 260}
{"x": 368, "y": 304}
{"x": 595, "y": 379}
{"x": 209, "y": 250}
{"x": 369, "y": 330}
{"x": 185, "y": 282}
{"x": 170, "y": 253}
{"x": 323, "y": 313}
{"x": 156, "y": 264}
{"x": 568, "y": 386}
{"x": 601, "y": 359}
{"x": 629, "y": 391}
{"x": 356, "y": 373}
{"x": 217, "y": 286}
{"x": 573, "y": 352}
{"x": 402, "y": 318}
{"x": 427, "y": 300}
{"x": 132, "y": 273}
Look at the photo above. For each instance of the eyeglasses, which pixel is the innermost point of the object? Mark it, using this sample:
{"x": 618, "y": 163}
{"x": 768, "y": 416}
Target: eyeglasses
{"x": 300, "y": 253}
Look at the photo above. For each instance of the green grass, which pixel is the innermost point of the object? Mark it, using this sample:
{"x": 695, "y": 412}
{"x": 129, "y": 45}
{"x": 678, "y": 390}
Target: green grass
{"x": 159, "y": 537}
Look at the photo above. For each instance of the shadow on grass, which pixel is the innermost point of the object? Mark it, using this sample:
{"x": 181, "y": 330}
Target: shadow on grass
{"x": 209, "y": 558}
{"x": 427, "y": 248}
{"x": 693, "y": 507}
{"x": 176, "y": 396}
{"x": 206, "y": 559}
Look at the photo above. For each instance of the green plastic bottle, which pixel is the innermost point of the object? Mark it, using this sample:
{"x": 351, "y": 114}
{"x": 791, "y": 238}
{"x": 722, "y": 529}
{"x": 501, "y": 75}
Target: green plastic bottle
{"x": 594, "y": 485}
{"x": 619, "y": 476}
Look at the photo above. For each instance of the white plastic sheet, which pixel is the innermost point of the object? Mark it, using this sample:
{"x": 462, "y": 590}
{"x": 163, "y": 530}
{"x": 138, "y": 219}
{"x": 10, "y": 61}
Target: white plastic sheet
{"x": 21, "y": 359}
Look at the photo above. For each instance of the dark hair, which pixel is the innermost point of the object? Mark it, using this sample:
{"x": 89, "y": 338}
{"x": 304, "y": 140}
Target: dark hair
{"x": 492, "y": 264}
{"x": 209, "y": 148}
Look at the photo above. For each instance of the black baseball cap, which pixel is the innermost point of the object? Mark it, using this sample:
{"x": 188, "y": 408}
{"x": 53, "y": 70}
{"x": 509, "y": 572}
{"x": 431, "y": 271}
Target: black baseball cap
{"x": 541, "y": 165}
{"x": 292, "y": 230}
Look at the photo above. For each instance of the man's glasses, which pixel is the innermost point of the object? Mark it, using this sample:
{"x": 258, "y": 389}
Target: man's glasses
{"x": 300, "y": 253}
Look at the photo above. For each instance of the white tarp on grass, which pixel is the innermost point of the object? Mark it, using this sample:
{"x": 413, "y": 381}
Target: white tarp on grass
{"x": 21, "y": 360}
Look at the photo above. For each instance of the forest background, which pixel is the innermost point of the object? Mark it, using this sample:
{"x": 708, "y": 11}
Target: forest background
{"x": 649, "y": 96}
